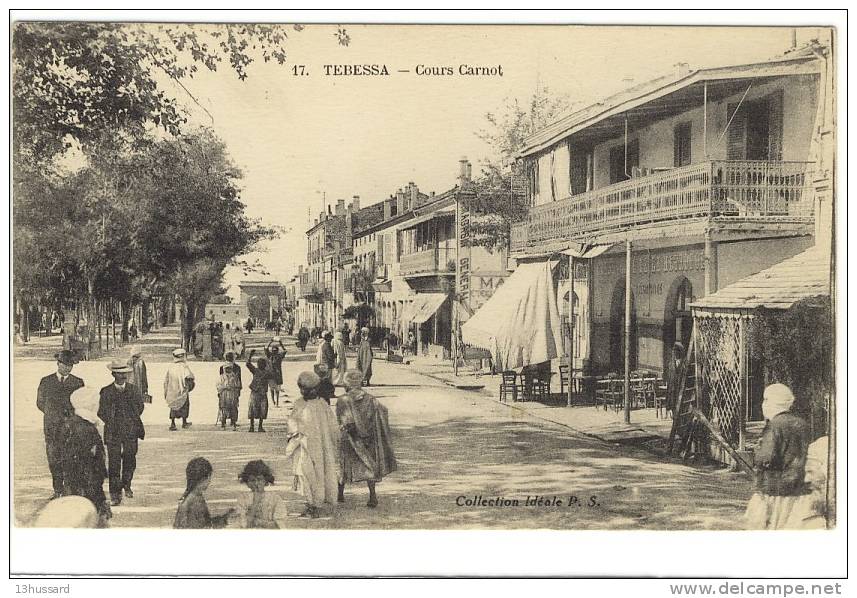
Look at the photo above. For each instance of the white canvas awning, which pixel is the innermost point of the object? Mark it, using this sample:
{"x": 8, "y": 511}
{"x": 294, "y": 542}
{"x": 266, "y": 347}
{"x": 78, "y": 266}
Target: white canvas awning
{"x": 583, "y": 250}
{"x": 520, "y": 323}
{"x": 423, "y": 307}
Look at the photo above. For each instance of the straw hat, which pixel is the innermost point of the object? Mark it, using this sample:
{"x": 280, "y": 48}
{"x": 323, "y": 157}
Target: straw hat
{"x": 179, "y": 353}
{"x": 778, "y": 399}
{"x": 117, "y": 366}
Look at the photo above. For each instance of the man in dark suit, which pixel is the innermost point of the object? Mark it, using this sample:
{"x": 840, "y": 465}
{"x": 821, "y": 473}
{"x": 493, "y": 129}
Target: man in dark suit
{"x": 54, "y": 400}
{"x": 120, "y": 407}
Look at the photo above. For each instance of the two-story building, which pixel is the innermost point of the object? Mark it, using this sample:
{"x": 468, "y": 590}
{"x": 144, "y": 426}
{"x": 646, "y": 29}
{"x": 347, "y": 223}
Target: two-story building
{"x": 443, "y": 268}
{"x": 696, "y": 179}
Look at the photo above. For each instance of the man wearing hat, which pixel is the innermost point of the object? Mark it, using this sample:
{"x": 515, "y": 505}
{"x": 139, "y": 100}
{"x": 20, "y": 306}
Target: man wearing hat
{"x": 178, "y": 383}
{"x": 364, "y": 356}
{"x": 53, "y": 399}
{"x": 120, "y": 408}
{"x": 84, "y": 469}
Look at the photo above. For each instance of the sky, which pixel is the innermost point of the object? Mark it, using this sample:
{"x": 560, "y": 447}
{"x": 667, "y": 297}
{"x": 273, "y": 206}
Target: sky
{"x": 302, "y": 139}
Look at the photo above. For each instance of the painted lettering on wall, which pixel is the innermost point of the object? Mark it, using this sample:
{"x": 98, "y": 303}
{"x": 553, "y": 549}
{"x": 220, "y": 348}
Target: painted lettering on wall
{"x": 464, "y": 258}
{"x": 650, "y": 263}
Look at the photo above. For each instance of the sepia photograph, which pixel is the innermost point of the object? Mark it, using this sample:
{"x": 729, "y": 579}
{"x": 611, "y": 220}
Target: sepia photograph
{"x": 410, "y": 276}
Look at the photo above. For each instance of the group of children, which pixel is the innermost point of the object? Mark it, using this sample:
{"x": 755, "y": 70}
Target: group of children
{"x": 256, "y": 510}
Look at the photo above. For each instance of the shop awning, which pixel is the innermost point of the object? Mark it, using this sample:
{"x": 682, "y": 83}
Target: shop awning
{"x": 382, "y": 285}
{"x": 779, "y": 287}
{"x": 583, "y": 250}
{"x": 520, "y": 323}
{"x": 446, "y": 212}
{"x": 423, "y": 307}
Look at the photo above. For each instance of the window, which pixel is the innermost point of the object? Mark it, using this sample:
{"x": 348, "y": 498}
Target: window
{"x": 681, "y": 144}
{"x": 580, "y": 169}
{"x": 756, "y": 130}
{"x": 619, "y": 165}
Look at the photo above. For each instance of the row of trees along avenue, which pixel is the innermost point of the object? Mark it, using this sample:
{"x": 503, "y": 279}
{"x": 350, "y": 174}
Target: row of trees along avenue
{"x": 118, "y": 203}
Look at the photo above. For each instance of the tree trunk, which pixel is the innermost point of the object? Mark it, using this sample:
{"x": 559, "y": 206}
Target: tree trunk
{"x": 25, "y": 320}
{"x": 127, "y": 308}
{"x": 188, "y": 319}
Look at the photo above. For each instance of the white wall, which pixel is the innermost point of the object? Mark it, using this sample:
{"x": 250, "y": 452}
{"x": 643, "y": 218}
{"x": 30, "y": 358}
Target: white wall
{"x": 800, "y": 99}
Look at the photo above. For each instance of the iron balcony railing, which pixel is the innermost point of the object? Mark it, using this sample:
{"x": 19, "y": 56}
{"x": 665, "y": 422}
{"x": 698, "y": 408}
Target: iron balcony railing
{"x": 723, "y": 188}
{"x": 438, "y": 260}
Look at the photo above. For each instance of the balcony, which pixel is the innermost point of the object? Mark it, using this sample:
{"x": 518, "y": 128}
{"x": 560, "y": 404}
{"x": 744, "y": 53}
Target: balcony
{"x": 312, "y": 289}
{"x": 440, "y": 260}
{"x": 734, "y": 189}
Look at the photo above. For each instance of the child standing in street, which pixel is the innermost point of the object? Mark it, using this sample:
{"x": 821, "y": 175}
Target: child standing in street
{"x": 259, "y": 509}
{"x": 193, "y": 510}
{"x": 262, "y": 375}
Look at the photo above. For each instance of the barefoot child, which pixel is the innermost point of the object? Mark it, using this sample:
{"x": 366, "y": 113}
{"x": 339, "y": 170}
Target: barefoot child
{"x": 259, "y": 509}
{"x": 193, "y": 511}
{"x": 258, "y": 391}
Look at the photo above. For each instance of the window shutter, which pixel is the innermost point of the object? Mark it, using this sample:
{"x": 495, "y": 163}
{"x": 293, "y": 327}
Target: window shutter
{"x": 775, "y": 126}
{"x": 736, "y": 136}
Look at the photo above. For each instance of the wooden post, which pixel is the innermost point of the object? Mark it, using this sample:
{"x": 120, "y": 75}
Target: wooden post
{"x": 710, "y": 255}
{"x": 742, "y": 382}
{"x": 627, "y": 396}
{"x": 571, "y": 331}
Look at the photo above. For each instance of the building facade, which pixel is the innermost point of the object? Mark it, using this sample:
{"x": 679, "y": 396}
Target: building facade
{"x": 696, "y": 180}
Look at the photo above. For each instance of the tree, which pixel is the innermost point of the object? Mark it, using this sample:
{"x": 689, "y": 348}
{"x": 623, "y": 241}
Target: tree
{"x": 493, "y": 203}
{"x": 97, "y": 90}
{"x": 795, "y": 347}
{"x": 72, "y": 81}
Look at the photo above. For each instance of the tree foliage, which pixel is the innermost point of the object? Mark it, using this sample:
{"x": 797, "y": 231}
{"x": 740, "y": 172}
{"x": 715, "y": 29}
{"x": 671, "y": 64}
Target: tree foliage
{"x": 494, "y": 203}
{"x": 796, "y": 348}
{"x": 141, "y": 213}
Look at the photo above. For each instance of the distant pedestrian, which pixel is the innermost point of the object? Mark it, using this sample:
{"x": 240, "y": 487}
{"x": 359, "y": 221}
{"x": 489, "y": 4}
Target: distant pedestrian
{"x": 139, "y": 377}
{"x": 259, "y": 509}
{"x": 53, "y": 399}
{"x": 313, "y": 447}
{"x": 341, "y": 359}
{"x": 325, "y": 352}
{"x": 193, "y": 510}
{"x": 366, "y": 450}
{"x": 178, "y": 383}
{"x": 325, "y": 390}
{"x": 84, "y": 467}
{"x": 303, "y": 337}
{"x": 364, "y": 357}
{"x": 120, "y": 408}
{"x": 238, "y": 342}
{"x": 258, "y": 408}
{"x": 780, "y": 461}
{"x": 133, "y": 332}
{"x": 229, "y": 391}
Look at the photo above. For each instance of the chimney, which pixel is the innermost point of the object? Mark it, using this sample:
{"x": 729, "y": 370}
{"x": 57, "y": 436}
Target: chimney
{"x": 340, "y": 207}
{"x": 462, "y": 171}
{"x": 401, "y": 207}
{"x": 315, "y": 222}
{"x": 681, "y": 68}
{"x": 355, "y": 203}
{"x": 628, "y": 81}
{"x": 414, "y": 193}
{"x": 329, "y": 211}
{"x": 388, "y": 209}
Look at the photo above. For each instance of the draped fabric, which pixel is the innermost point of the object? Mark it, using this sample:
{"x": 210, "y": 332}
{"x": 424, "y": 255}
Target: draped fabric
{"x": 545, "y": 171}
{"x": 520, "y": 324}
{"x": 314, "y": 450}
{"x": 366, "y": 445}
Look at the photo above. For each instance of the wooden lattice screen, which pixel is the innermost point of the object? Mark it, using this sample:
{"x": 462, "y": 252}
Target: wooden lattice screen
{"x": 722, "y": 370}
